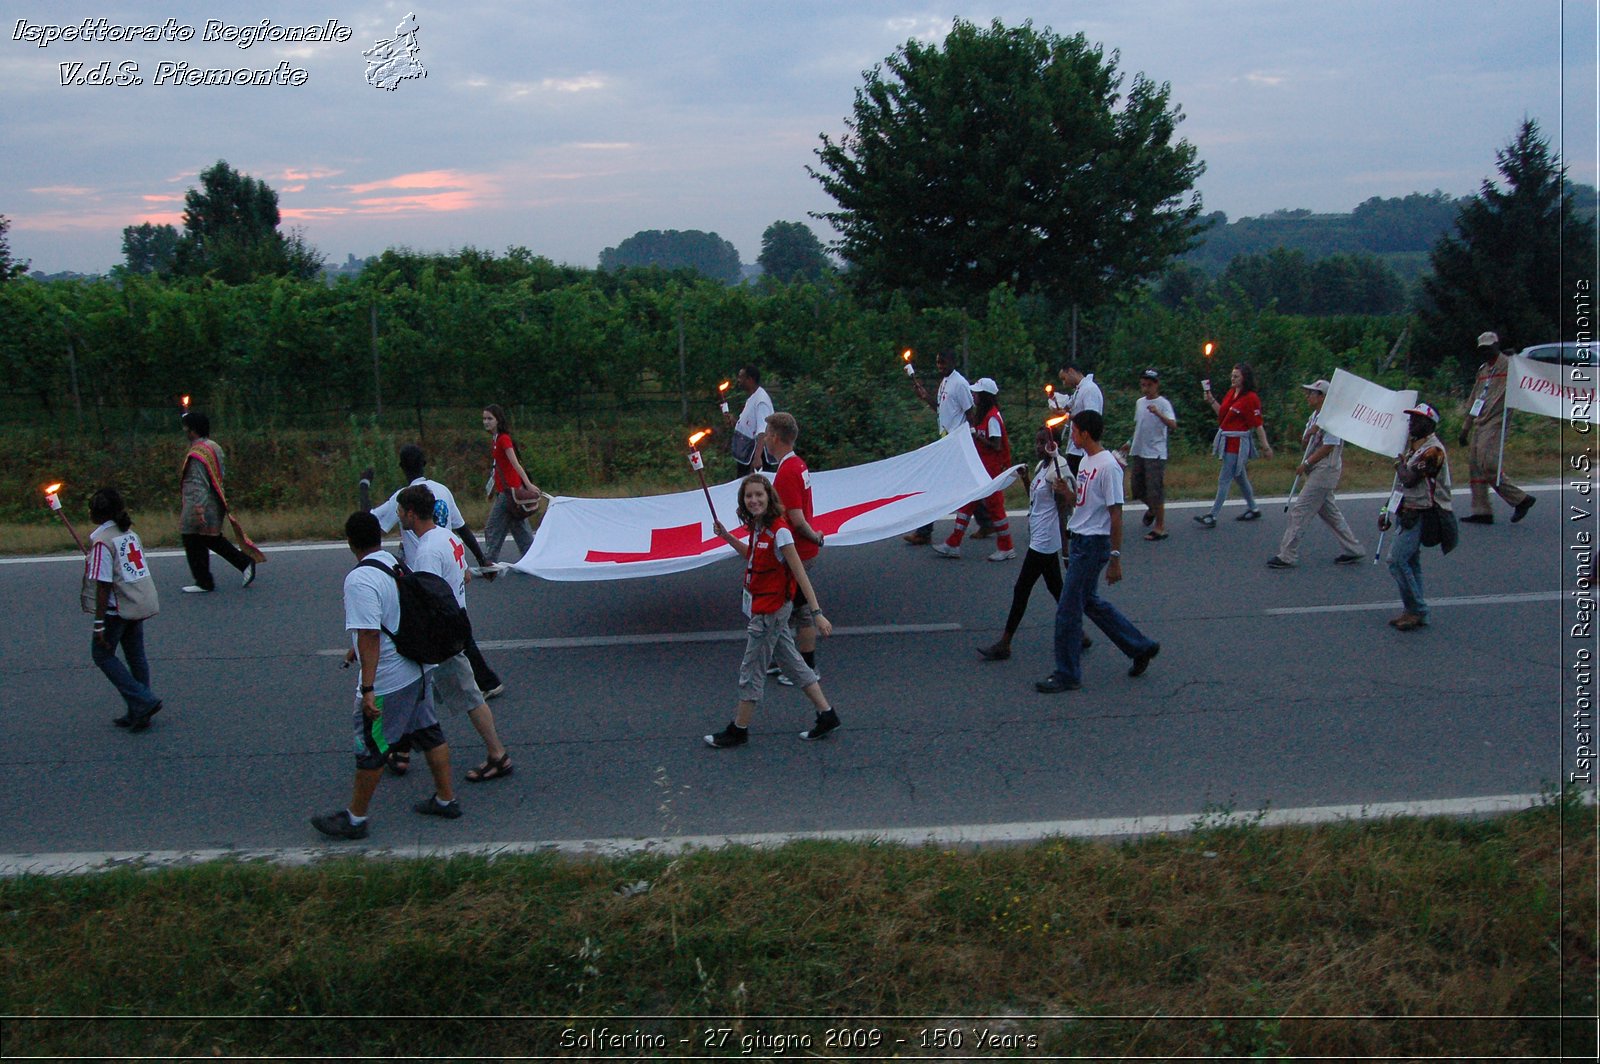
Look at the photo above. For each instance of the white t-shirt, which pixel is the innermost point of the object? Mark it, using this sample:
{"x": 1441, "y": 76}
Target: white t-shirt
{"x": 446, "y": 514}
{"x": 1087, "y": 397}
{"x": 1099, "y": 487}
{"x": 955, "y": 399}
{"x": 1044, "y": 526}
{"x": 1149, "y": 431}
{"x": 372, "y": 601}
{"x": 442, "y": 553}
{"x": 753, "y": 418}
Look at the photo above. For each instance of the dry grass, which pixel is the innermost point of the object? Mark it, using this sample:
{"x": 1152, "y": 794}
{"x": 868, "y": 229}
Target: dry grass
{"x": 1246, "y": 941}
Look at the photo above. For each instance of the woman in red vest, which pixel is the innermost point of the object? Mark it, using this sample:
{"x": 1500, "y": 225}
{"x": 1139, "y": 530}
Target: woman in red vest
{"x": 772, "y": 569}
{"x": 506, "y": 515}
{"x": 1239, "y": 425}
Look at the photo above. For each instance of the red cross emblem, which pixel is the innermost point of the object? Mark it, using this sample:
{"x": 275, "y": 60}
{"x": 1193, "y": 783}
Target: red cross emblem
{"x": 686, "y": 541}
{"x": 460, "y": 552}
{"x": 135, "y": 558}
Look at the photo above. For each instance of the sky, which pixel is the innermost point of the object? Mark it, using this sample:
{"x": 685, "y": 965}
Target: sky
{"x": 565, "y": 127}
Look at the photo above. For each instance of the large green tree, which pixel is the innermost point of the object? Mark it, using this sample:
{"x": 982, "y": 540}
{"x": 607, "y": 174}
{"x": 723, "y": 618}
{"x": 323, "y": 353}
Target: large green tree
{"x": 1514, "y": 262}
{"x": 149, "y": 249}
{"x": 230, "y": 232}
{"x": 1009, "y": 155}
{"x": 9, "y": 267}
{"x": 705, "y": 253}
{"x": 790, "y": 251}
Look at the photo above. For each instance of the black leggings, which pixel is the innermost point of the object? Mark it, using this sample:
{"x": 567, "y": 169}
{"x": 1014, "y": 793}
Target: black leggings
{"x": 198, "y": 548}
{"x": 1034, "y": 565}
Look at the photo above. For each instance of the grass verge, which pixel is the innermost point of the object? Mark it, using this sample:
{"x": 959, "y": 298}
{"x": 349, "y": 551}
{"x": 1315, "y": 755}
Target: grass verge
{"x": 1409, "y": 936}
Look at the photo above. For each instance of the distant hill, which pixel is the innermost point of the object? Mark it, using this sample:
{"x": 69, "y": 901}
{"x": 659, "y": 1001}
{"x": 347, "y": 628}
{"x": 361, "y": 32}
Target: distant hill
{"x": 1399, "y": 231}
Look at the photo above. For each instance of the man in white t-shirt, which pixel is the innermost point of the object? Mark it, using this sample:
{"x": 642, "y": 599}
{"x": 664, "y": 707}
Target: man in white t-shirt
{"x": 439, "y": 552}
{"x": 749, "y": 431}
{"x": 1096, "y": 543}
{"x": 1322, "y": 466}
{"x": 1084, "y": 395}
{"x": 446, "y": 514}
{"x": 951, "y": 404}
{"x": 1146, "y": 452}
{"x": 392, "y": 701}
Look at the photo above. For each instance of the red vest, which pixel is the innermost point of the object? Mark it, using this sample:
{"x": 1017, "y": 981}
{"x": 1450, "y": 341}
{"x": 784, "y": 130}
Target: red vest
{"x": 766, "y": 576}
{"x": 793, "y": 481}
{"x": 995, "y": 462}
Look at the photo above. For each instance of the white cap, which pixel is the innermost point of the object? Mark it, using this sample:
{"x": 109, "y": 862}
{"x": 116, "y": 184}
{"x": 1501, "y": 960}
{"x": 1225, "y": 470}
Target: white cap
{"x": 986, "y": 384}
{"x": 1317, "y": 386}
{"x": 1488, "y": 339}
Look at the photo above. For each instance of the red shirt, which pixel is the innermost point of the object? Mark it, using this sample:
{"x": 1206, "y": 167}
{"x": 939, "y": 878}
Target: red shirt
{"x": 994, "y": 461}
{"x": 793, "y": 482}
{"x": 505, "y": 474}
{"x": 766, "y": 576}
{"x": 1239, "y": 413}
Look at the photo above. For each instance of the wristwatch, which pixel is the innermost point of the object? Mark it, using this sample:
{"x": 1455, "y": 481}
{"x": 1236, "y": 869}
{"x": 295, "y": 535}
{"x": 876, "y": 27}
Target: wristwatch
{"x": 1116, "y": 554}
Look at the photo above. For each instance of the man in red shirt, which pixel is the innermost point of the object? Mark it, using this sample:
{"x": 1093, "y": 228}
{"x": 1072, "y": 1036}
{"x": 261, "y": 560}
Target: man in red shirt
{"x": 793, "y": 481}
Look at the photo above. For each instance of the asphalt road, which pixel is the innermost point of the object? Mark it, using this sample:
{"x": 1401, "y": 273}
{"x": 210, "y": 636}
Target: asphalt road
{"x": 1247, "y": 706}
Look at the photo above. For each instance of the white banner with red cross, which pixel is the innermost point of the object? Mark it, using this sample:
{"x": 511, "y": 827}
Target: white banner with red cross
{"x": 624, "y": 539}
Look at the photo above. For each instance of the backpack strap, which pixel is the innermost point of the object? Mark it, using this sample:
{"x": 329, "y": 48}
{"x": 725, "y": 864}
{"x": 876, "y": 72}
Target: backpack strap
{"x": 397, "y": 572}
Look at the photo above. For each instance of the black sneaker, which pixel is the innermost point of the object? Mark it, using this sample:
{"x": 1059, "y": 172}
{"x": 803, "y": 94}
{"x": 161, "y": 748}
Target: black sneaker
{"x": 1142, "y": 662}
{"x": 1347, "y": 559}
{"x": 248, "y": 575}
{"x": 122, "y": 721}
{"x": 339, "y": 826}
{"x": 1276, "y": 562}
{"x": 1522, "y": 509}
{"x": 142, "y": 721}
{"x": 430, "y": 807}
{"x": 825, "y": 723}
{"x": 732, "y": 735}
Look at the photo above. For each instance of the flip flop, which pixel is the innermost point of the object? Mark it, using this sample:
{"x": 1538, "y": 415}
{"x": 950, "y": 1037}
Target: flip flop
{"x": 1154, "y": 536}
{"x": 492, "y": 769}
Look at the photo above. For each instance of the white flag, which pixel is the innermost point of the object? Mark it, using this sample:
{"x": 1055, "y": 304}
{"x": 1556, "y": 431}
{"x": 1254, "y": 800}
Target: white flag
{"x": 1366, "y": 414}
{"x": 622, "y": 539}
{"x": 1565, "y": 392}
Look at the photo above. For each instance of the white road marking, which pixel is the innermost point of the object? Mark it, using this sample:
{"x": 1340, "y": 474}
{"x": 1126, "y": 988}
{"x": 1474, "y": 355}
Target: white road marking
{"x": 649, "y": 639}
{"x": 1132, "y": 507}
{"x": 1460, "y": 600}
{"x": 18, "y": 864}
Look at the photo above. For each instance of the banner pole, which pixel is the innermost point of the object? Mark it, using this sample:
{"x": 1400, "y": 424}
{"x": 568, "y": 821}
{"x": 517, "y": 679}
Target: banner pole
{"x": 1384, "y": 531}
{"x": 1500, "y": 468}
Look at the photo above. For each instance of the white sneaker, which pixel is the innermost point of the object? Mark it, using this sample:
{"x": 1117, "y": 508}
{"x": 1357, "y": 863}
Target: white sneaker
{"x": 783, "y": 678}
{"x": 248, "y": 576}
{"x": 945, "y": 550}
{"x": 1002, "y": 555}
{"x": 196, "y": 589}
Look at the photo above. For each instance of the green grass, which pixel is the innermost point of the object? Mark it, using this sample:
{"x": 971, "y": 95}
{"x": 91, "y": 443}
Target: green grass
{"x": 1361, "y": 938}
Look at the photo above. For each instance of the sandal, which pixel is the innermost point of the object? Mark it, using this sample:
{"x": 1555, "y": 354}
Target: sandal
{"x": 1155, "y": 536}
{"x": 492, "y": 769}
{"x": 399, "y": 762}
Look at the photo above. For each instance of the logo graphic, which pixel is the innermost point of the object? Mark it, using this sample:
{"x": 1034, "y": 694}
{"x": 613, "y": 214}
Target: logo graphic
{"x": 393, "y": 61}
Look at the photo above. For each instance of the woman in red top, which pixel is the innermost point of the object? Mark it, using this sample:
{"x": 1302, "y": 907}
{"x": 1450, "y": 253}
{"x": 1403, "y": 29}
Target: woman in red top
{"x": 1238, "y": 414}
{"x": 772, "y": 568}
{"x": 506, "y": 514}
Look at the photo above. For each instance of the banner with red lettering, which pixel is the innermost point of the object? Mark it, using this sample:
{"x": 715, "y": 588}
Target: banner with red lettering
{"x": 1565, "y": 392}
{"x": 622, "y": 539}
{"x": 1368, "y": 415}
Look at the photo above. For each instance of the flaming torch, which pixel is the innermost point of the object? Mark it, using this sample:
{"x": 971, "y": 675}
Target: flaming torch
{"x": 905, "y": 356}
{"x": 184, "y": 402}
{"x": 722, "y": 394}
{"x": 1052, "y": 424}
{"x": 1207, "y": 350}
{"x": 52, "y": 496}
{"x": 697, "y": 462}
{"x": 1049, "y": 395}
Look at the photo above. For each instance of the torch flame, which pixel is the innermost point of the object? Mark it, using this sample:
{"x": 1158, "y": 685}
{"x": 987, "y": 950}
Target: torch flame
{"x": 1055, "y": 421}
{"x": 186, "y": 402}
{"x": 724, "y": 386}
{"x": 51, "y": 489}
{"x": 905, "y": 356}
{"x": 1210, "y": 347}
{"x": 1049, "y": 390}
{"x": 694, "y": 441}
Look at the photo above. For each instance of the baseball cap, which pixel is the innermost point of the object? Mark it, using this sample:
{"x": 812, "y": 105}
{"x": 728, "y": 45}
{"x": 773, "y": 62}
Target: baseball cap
{"x": 1150, "y": 375}
{"x": 1488, "y": 339}
{"x": 1317, "y": 386}
{"x": 1424, "y": 410}
{"x": 986, "y": 384}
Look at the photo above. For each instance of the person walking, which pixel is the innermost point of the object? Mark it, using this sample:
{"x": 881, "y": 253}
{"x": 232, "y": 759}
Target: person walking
{"x": 749, "y": 440}
{"x": 1238, "y": 416}
{"x": 1481, "y": 437}
{"x": 1082, "y": 393}
{"x": 507, "y": 478}
{"x": 772, "y": 570}
{"x": 1046, "y": 509}
{"x": 1422, "y": 472}
{"x": 1146, "y": 451}
{"x": 1321, "y": 466}
{"x": 1095, "y": 543}
{"x": 950, "y": 406}
{"x": 119, "y": 590}
{"x": 793, "y": 484}
{"x": 455, "y": 690}
{"x": 205, "y": 504}
{"x": 994, "y": 449}
{"x": 393, "y": 701}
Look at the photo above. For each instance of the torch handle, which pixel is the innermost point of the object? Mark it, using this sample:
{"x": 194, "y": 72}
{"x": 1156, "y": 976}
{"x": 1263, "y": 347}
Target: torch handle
{"x": 76, "y": 538}
{"x": 707, "y": 490}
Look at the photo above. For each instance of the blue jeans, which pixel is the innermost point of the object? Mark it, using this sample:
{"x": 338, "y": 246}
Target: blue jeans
{"x": 1233, "y": 468}
{"x": 132, "y": 680}
{"x": 1087, "y": 556}
{"x": 1405, "y": 564}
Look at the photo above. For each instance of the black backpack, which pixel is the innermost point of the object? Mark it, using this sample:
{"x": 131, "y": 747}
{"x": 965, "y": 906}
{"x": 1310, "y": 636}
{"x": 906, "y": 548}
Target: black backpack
{"x": 433, "y": 626}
